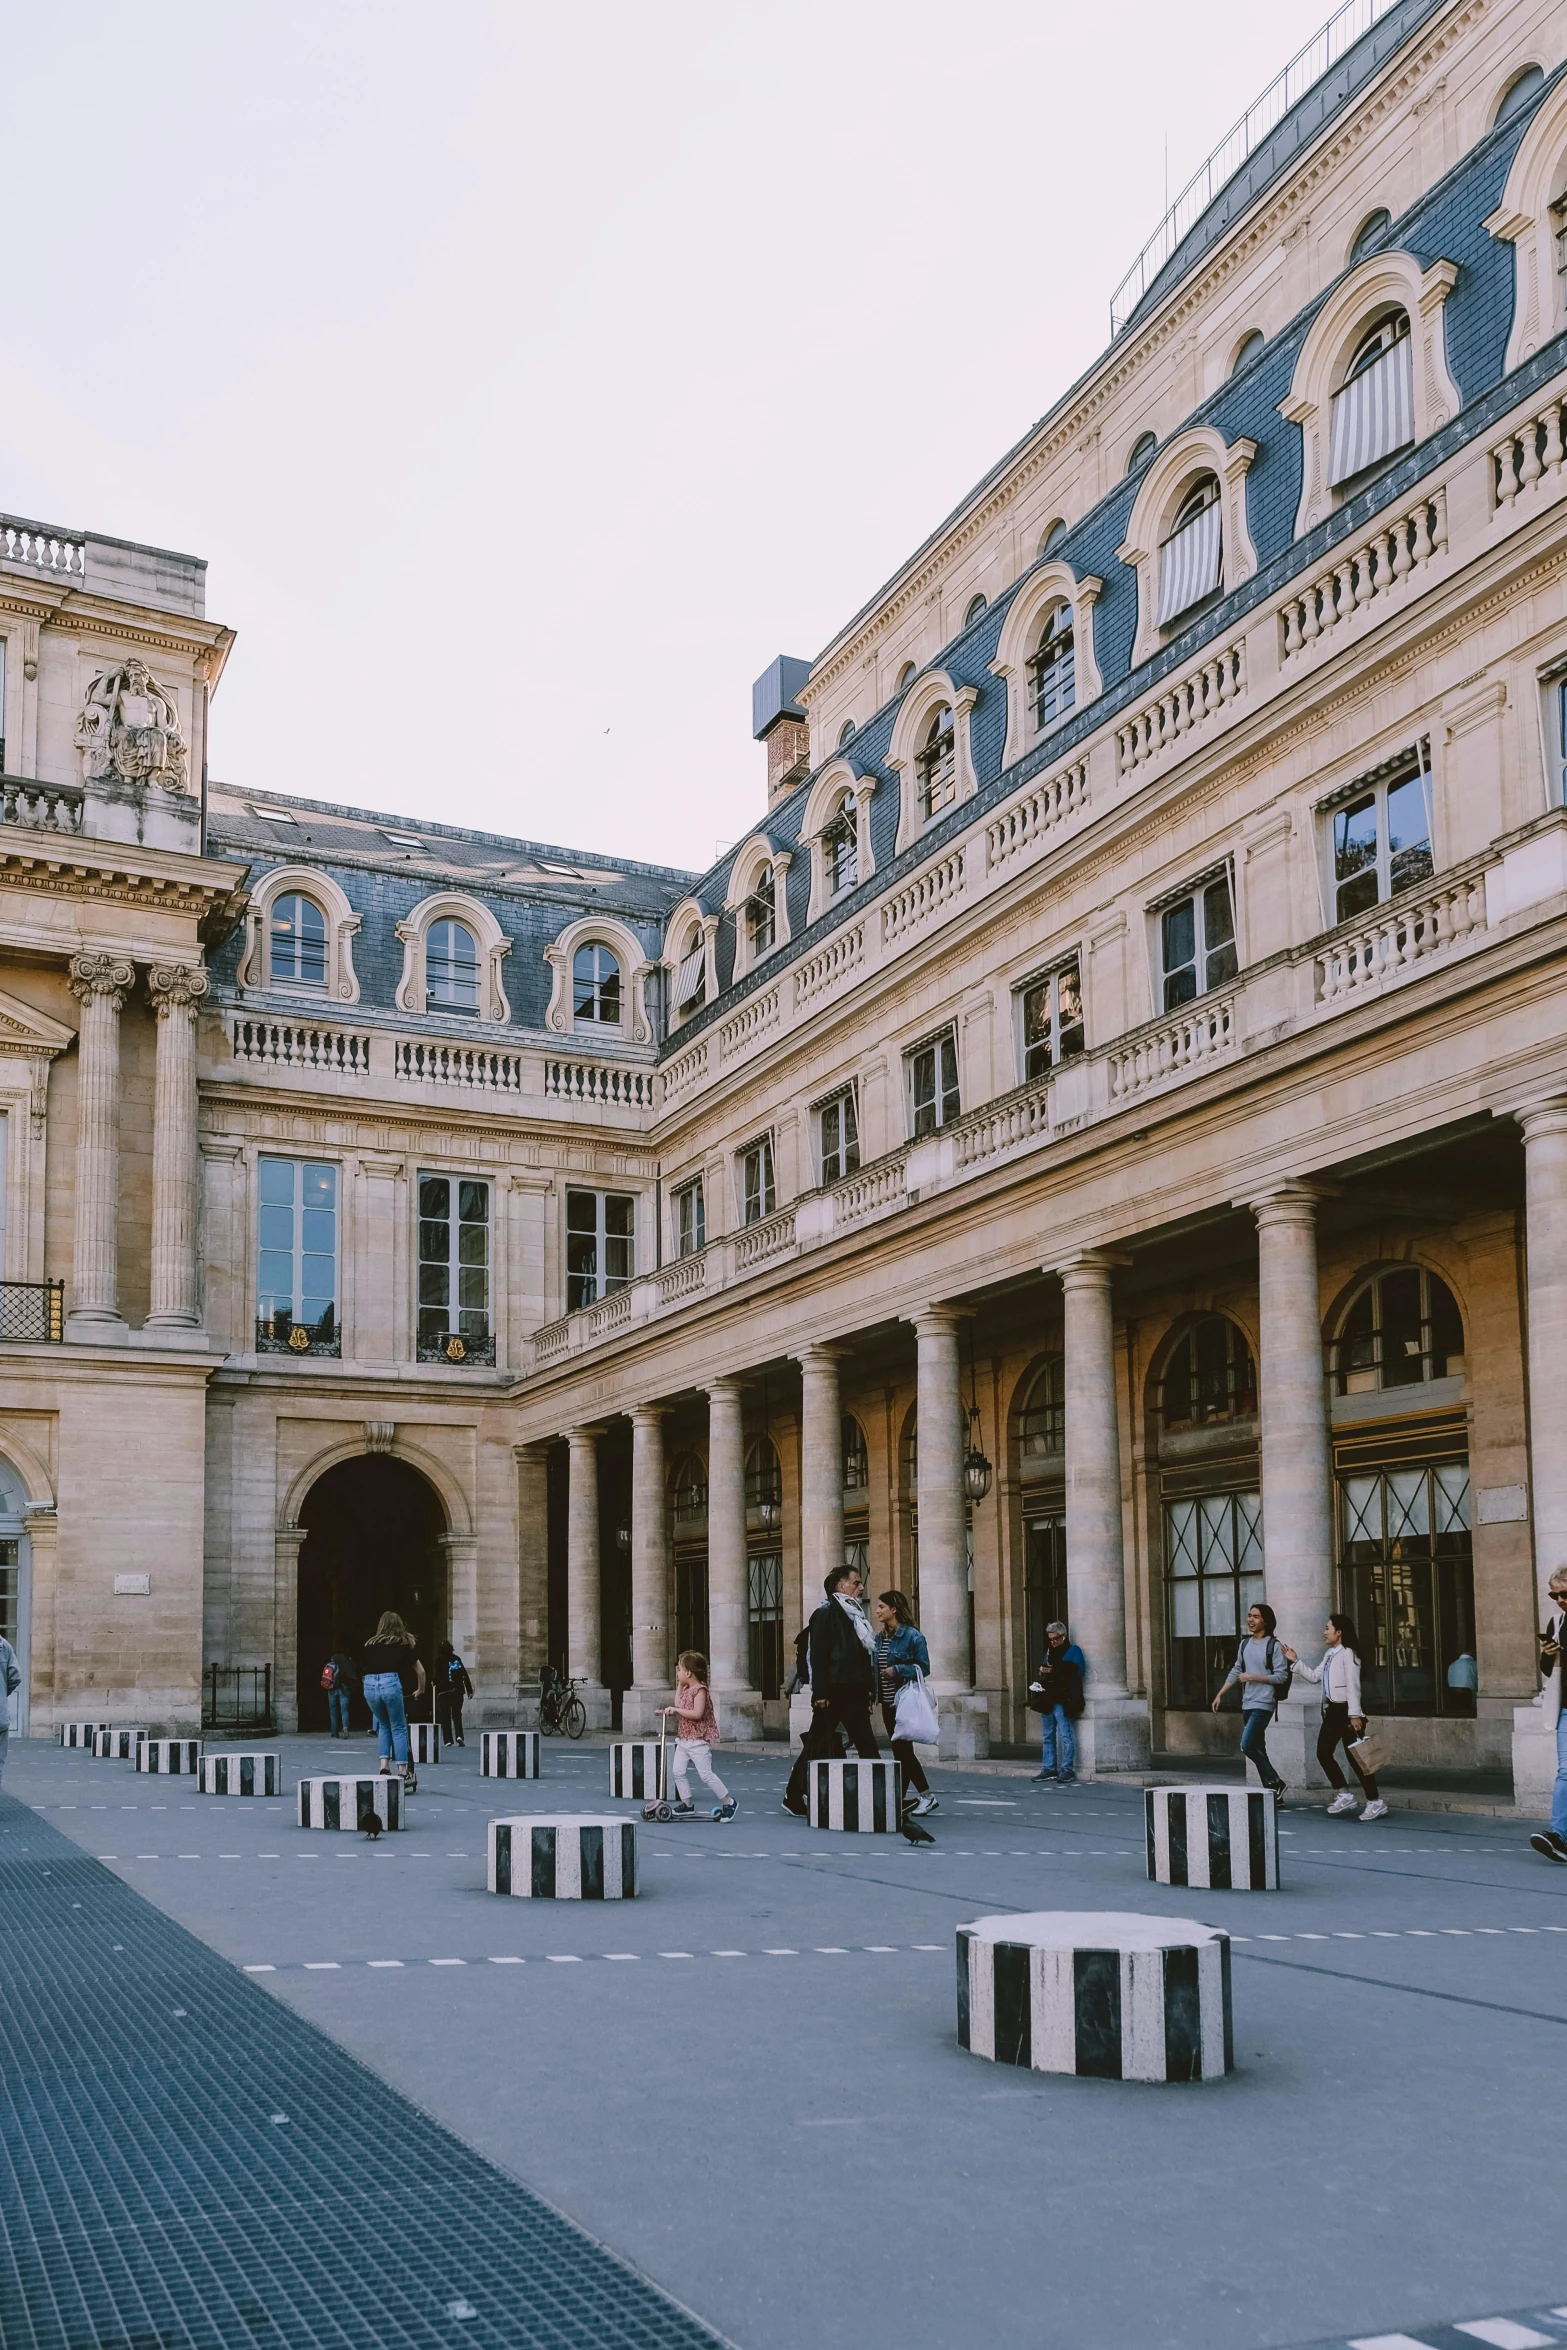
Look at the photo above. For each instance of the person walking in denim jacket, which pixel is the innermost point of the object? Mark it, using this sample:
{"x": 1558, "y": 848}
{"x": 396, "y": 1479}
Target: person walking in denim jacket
{"x": 1262, "y": 1670}
{"x": 901, "y": 1654}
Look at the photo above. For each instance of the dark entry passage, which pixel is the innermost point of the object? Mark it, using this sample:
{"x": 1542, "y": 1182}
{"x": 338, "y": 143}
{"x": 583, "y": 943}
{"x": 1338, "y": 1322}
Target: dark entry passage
{"x": 374, "y": 1542}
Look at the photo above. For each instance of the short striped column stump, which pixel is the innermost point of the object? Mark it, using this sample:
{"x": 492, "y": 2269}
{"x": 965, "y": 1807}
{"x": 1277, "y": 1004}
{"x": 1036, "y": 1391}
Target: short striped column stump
{"x": 118, "y": 1745}
{"x": 860, "y": 1797}
{"x": 633, "y": 1767}
{"x": 1107, "y": 1995}
{"x": 1226, "y": 1838}
{"x": 351, "y": 1803}
{"x": 241, "y": 1774}
{"x": 561, "y": 1858}
{"x": 509, "y": 1754}
{"x": 424, "y": 1742}
{"x": 177, "y": 1756}
{"x": 78, "y": 1733}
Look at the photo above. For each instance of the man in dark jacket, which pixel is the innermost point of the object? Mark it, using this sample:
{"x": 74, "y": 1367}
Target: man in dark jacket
{"x": 843, "y": 1680}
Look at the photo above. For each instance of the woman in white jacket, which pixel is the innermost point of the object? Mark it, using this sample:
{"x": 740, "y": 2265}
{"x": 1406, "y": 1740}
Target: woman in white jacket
{"x": 1339, "y": 1674}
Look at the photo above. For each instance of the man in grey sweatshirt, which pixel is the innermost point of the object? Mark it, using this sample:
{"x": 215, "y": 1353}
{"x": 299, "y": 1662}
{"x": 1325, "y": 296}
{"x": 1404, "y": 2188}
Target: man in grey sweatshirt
{"x": 1263, "y": 1670}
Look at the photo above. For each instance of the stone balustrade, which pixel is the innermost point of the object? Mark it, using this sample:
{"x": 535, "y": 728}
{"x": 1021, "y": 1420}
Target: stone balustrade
{"x": 298, "y": 1044}
{"x": 930, "y": 892}
{"x": 463, "y": 1067}
{"x": 1364, "y": 955}
{"x": 1182, "y": 1044}
{"x": 842, "y": 954}
{"x": 758, "y": 1015}
{"x": 1043, "y": 809}
{"x": 42, "y": 549}
{"x": 1363, "y": 573}
{"x": 870, "y": 1192}
{"x": 1528, "y": 457}
{"x": 683, "y": 1278}
{"x": 607, "y": 1084}
{"x": 685, "y": 1071}
{"x": 42, "y": 807}
{"x": 1209, "y": 686}
{"x": 755, "y": 1243}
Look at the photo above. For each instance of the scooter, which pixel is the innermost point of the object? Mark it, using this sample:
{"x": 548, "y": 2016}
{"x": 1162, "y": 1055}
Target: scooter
{"x": 658, "y": 1808}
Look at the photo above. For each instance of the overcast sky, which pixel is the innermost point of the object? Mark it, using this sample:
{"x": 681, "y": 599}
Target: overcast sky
{"x": 530, "y": 376}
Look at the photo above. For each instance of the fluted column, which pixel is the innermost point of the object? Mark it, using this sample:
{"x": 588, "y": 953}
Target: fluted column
{"x": 176, "y": 990}
{"x": 582, "y": 1559}
{"x": 651, "y": 1665}
{"x": 726, "y": 1554}
{"x": 821, "y": 1471}
{"x": 100, "y": 983}
{"x": 1297, "y": 1488}
{"x": 943, "y": 1512}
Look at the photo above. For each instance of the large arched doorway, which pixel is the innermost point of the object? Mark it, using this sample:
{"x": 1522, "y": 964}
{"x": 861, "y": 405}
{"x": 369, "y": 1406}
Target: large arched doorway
{"x": 373, "y": 1541}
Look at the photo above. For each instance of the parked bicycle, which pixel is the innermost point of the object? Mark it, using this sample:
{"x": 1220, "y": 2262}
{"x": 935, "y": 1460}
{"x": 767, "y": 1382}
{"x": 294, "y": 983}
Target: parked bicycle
{"x": 562, "y": 1713}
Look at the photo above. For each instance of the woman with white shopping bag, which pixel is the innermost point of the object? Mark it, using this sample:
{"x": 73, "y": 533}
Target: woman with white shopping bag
{"x": 907, "y": 1708}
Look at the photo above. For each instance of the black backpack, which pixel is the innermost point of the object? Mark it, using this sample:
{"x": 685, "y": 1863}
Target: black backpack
{"x": 1282, "y": 1688}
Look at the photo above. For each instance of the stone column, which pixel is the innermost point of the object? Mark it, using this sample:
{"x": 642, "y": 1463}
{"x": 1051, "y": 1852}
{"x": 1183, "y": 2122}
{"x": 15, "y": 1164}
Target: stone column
{"x": 582, "y": 1574}
{"x": 288, "y": 1541}
{"x": 176, "y": 990}
{"x": 1113, "y": 1733}
{"x": 1545, "y": 1232}
{"x": 100, "y": 983}
{"x": 821, "y": 1471}
{"x": 651, "y": 1594}
{"x": 462, "y": 1602}
{"x": 728, "y": 1599}
{"x": 533, "y": 1564}
{"x": 1297, "y": 1484}
{"x": 943, "y": 1513}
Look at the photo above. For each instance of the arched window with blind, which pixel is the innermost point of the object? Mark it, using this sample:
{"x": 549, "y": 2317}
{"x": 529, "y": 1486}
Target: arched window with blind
{"x": 1191, "y": 560}
{"x": 1374, "y": 407}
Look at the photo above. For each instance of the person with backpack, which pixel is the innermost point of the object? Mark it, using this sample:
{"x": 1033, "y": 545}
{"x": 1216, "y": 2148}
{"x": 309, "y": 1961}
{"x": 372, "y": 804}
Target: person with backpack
{"x": 1056, "y": 1695}
{"x": 337, "y": 1679}
{"x": 1262, "y": 1670}
{"x": 842, "y": 1649}
{"x": 452, "y": 1685}
{"x": 1339, "y": 1673}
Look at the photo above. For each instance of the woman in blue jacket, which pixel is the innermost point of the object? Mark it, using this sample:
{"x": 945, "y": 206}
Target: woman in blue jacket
{"x": 901, "y": 1655}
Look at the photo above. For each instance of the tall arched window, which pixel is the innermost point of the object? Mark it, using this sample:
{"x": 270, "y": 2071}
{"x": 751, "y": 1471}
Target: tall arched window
{"x": 451, "y": 967}
{"x": 761, "y": 914}
{"x": 1042, "y": 1421}
{"x": 1210, "y": 1379}
{"x": 1054, "y": 534}
{"x": 1517, "y": 94}
{"x": 1191, "y": 561}
{"x": 1250, "y": 345}
{"x": 1370, "y": 233}
{"x": 938, "y": 764}
{"x": 906, "y": 675}
{"x": 595, "y": 991}
{"x": 1374, "y": 409}
{"x": 841, "y": 851}
{"x": 1052, "y": 669}
{"x": 297, "y": 942}
{"x": 856, "y": 1456}
{"x": 846, "y": 733}
{"x": 977, "y": 605}
{"x": 1142, "y": 449}
{"x": 1402, "y": 1328}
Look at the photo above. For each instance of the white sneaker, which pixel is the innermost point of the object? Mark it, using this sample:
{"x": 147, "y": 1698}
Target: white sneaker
{"x": 1375, "y": 1811}
{"x": 1341, "y": 1804}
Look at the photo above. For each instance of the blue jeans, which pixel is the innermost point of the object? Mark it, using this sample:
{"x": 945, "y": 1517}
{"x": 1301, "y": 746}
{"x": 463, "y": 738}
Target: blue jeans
{"x": 337, "y": 1707}
{"x": 5, "y": 1742}
{"x": 1254, "y": 1732}
{"x": 1558, "y": 1792}
{"x": 1057, "y": 1736}
{"x": 384, "y": 1697}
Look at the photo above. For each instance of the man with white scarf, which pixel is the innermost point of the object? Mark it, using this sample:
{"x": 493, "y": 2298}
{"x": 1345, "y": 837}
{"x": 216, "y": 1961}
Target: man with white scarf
{"x": 843, "y": 1680}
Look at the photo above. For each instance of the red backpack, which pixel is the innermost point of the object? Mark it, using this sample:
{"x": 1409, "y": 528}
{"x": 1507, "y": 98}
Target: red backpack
{"x": 329, "y": 1676}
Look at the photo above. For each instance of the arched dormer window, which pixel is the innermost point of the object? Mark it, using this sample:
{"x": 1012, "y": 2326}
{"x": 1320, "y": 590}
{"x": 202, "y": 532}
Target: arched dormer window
{"x": 451, "y": 968}
{"x": 1370, "y": 234}
{"x": 761, "y": 915}
{"x": 296, "y": 942}
{"x": 976, "y": 606}
{"x": 906, "y": 675}
{"x": 840, "y": 852}
{"x": 1532, "y": 218}
{"x": 836, "y": 828}
{"x": 846, "y": 733}
{"x": 1247, "y": 349}
{"x": 595, "y": 986}
{"x": 1141, "y": 450}
{"x": 1517, "y": 95}
{"x": 1046, "y": 654}
{"x": 1374, "y": 407}
{"x": 757, "y": 902}
{"x": 1054, "y": 534}
{"x": 1210, "y": 1379}
{"x": 1052, "y": 669}
{"x": 1401, "y": 1328}
{"x": 931, "y": 754}
{"x": 936, "y": 765}
{"x": 688, "y": 987}
{"x": 1191, "y": 559}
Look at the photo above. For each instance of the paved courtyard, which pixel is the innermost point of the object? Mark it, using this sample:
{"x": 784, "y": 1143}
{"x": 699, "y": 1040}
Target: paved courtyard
{"x": 744, "y": 2088}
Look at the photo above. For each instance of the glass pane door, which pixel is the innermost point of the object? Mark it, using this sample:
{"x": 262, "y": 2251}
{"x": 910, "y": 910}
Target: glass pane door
{"x": 1044, "y": 1583}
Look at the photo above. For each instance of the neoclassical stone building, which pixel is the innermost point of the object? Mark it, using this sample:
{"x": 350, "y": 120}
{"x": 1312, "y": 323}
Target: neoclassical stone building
{"x": 1098, "y": 1146}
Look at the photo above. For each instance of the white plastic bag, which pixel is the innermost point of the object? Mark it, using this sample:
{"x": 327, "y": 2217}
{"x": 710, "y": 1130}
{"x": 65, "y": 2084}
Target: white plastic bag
{"x": 914, "y": 1715}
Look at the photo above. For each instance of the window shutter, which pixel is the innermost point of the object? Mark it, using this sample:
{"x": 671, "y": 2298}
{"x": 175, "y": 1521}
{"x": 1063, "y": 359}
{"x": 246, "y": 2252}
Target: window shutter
{"x": 1189, "y": 564}
{"x": 689, "y": 978}
{"x": 1374, "y": 413}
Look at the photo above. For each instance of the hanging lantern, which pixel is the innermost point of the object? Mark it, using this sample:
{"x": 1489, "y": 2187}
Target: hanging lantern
{"x": 769, "y": 1515}
{"x": 622, "y": 1537}
{"x": 976, "y": 1468}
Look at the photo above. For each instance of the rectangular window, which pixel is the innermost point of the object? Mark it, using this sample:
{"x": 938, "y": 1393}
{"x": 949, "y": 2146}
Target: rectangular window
{"x": 1052, "y": 1020}
{"x": 1197, "y": 943}
{"x": 1381, "y": 845}
{"x": 11, "y": 1616}
{"x": 761, "y": 914}
{"x": 841, "y": 853}
{"x": 690, "y": 1219}
{"x": 454, "y": 1269}
{"x": 601, "y": 1229}
{"x": 1212, "y": 1575}
{"x": 765, "y": 1622}
{"x": 691, "y": 980}
{"x": 839, "y": 1130}
{"x": 758, "y": 1198}
{"x": 296, "y": 1266}
{"x": 1406, "y": 1574}
{"x": 933, "y": 1084}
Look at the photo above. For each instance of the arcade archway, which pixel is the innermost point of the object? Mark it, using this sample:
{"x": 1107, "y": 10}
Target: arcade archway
{"x": 373, "y": 1541}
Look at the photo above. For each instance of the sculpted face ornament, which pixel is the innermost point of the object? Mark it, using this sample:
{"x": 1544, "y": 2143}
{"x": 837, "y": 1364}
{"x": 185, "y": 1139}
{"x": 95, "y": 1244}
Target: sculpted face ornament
{"x": 129, "y": 729}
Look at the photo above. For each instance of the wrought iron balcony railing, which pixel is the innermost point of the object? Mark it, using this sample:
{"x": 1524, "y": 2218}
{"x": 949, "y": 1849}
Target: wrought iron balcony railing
{"x": 32, "y": 1312}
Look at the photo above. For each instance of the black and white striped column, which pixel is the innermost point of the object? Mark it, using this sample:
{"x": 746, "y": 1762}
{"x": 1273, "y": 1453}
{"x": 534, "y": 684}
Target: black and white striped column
{"x": 633, "y": 1767}
{"x": 1110, "y": 1996}
{"x": 118, "y": 1744}
{"x": 1224, "y": 1838}
{"x": 78, "y": 1733}
{"x": 509, "y": 1754}
{"x": 564, "y": 1858}
{"x": 861, "y": 1797}
{"x": 424, "y": 1742}
{"x": 241, "y": 1774}
{"x": 176, "y": 1756}
{"x": 347, "y": 1802}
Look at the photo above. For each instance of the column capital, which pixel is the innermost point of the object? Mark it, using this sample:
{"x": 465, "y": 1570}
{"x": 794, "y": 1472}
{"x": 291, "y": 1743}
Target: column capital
{"x": 101, "y": 975}
{"x": 1546, "y": 1116}
{"x": 648, "y": 1415}
{"x": 177, "y": 985}
{"x": 1292, "y": 1202}
{"x": 731, "y": 1384}
{"x": 821, "y": 1353}
{"x": 585, "y": 1437}
{"x": 939, "y": 1317}
{"x": 1090, "y": 1268}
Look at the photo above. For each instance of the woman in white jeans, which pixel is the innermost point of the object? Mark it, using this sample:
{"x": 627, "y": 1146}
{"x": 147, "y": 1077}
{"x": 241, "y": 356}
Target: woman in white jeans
{"x": 1339, "y": 1674}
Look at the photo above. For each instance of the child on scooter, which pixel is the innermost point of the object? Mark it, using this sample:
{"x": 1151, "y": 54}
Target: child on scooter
{"x": 696, "y": 1734}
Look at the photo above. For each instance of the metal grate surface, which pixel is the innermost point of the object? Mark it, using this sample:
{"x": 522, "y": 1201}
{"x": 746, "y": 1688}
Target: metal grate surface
{"x": 186, "y": 2165}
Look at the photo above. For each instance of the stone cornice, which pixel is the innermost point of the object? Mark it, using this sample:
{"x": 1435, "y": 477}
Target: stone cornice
{"x": 212, "y": 894}
{"x": 1131, "y": 350}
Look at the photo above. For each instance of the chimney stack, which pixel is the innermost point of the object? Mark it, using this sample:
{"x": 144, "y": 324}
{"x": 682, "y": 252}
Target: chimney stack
{"x": 778, "y": 721}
